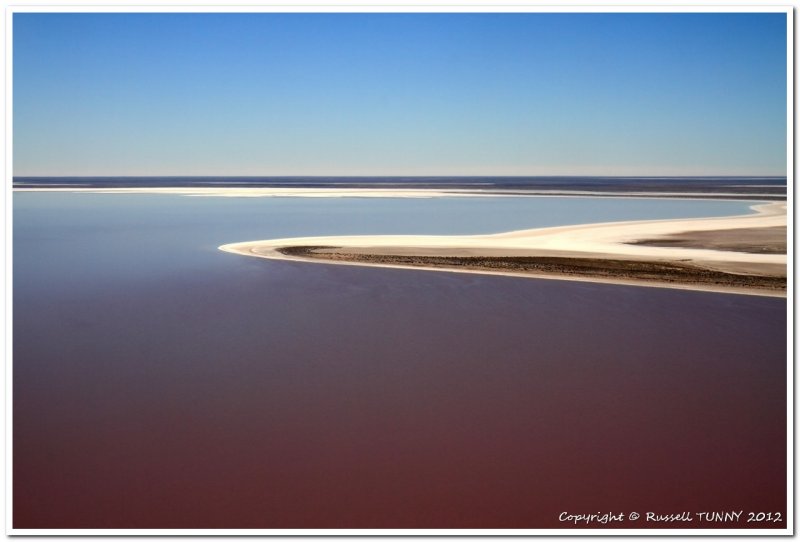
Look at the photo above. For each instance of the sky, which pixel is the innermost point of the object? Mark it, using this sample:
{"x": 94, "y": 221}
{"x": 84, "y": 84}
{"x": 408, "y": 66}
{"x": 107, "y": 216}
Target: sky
{"x": 399, "y": 94}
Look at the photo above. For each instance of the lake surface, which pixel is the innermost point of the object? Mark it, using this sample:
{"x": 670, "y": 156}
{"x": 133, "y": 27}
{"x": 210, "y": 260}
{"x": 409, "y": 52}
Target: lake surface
{"x": 161, "y": 383}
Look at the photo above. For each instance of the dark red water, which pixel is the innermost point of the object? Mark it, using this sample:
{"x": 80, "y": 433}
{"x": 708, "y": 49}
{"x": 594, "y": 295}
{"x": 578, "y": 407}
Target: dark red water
{"x": 311, "y": 396}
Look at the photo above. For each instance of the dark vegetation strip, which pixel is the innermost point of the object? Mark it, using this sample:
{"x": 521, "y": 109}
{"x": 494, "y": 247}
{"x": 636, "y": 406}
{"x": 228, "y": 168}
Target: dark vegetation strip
{"x": 770, "y": 240}
{"x": 578, "y": 267}
{"x": 731, "y": 247}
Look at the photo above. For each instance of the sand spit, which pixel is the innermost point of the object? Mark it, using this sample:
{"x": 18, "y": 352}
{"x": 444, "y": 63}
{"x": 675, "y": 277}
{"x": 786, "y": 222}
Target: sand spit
{"x": 754, "y": 272}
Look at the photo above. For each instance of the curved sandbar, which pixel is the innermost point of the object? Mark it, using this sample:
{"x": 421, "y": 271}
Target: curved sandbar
{"x": 564, "y": 247}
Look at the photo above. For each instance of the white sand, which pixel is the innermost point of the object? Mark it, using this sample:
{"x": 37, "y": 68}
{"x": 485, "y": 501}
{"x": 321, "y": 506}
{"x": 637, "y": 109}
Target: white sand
{"x": 605, "y": 240}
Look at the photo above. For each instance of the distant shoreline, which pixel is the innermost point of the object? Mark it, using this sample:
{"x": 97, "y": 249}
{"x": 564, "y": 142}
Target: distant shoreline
{"x": 420, "y": 193}
{"x": 741, "y": 254}
{"x": 720, "y": 187}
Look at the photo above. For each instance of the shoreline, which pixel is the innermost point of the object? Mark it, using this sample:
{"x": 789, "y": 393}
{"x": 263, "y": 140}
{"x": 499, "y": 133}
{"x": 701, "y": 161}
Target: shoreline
{"x": 599, "y": 243}
{"x": 338, "y": 192}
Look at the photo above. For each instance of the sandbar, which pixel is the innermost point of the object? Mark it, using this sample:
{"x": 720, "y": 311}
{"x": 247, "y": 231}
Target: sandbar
{"x": 629, "y": 252}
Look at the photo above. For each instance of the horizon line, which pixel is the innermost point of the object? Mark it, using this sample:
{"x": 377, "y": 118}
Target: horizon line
{"x": 649, "y": 176}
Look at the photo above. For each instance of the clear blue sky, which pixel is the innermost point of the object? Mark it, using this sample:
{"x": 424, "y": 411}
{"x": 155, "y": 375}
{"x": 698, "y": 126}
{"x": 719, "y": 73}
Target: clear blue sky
{"x": 399, "y": 94}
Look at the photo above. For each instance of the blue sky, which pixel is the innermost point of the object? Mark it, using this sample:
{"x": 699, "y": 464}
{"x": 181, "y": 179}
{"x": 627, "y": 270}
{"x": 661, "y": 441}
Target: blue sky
{"x": 399, "y": 94}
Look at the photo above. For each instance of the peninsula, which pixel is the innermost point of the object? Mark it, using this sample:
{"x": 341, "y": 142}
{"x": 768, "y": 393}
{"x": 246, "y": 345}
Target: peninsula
{"x": 740, "y": 254}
